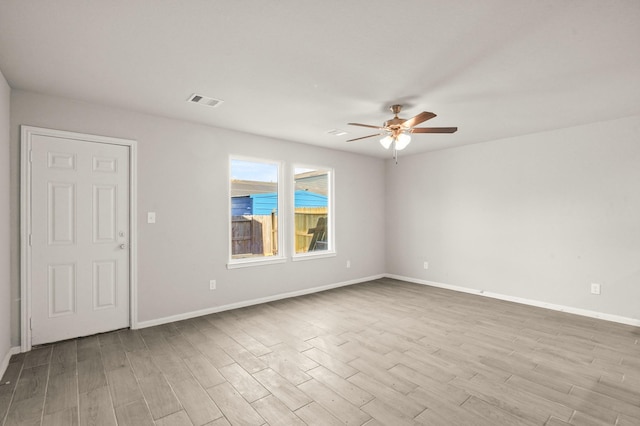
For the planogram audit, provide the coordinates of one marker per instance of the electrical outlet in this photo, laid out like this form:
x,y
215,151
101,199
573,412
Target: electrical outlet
x,y
348,264
595,288
212,284
426,265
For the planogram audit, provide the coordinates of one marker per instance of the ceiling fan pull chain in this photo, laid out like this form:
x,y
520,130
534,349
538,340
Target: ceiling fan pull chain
x,y
395,151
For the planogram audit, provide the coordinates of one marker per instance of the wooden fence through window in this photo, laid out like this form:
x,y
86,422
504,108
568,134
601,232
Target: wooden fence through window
x,y
306,218
257,235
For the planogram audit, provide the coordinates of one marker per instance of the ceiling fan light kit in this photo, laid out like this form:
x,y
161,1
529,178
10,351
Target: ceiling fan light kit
x,y
386,142
402,141
396,131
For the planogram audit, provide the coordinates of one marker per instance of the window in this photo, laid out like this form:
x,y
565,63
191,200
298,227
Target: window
x,y
313,206
255,206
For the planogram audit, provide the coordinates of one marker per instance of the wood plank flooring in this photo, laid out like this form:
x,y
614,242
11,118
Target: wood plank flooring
x,y
384,352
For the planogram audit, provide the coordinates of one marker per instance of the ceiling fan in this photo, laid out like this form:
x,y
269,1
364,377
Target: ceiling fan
x,y
397,131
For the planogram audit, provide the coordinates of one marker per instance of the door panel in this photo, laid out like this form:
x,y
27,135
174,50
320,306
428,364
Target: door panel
x,y
61,213
80,233
62,290
104,213
104,285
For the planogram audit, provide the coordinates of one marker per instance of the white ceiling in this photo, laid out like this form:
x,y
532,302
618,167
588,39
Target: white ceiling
x,y
295,69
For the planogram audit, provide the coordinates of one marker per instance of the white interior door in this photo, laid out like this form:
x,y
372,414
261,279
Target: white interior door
x,y
79,238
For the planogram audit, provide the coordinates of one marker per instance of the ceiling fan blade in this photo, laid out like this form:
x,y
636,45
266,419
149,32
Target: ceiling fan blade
x,y
434,130
364,137
365,125
420,118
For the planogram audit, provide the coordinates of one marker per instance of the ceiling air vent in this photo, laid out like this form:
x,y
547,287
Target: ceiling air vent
x,y
204,100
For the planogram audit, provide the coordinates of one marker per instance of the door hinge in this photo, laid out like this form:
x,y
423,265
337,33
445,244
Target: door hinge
x,y
31,156
29,239
30,324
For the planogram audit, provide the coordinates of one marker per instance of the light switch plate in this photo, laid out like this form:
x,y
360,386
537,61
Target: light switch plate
x,y
151,217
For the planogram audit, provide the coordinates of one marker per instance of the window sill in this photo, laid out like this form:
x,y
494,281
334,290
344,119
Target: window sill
x,y
235,264
311,256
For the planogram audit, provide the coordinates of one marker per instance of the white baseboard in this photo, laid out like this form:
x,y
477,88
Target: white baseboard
x,y
243,304
521,300
5,361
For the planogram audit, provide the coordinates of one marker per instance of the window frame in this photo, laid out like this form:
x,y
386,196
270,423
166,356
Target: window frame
x,y
280,257
331,248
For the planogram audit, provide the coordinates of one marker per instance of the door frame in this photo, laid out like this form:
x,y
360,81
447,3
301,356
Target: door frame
x,y
26,134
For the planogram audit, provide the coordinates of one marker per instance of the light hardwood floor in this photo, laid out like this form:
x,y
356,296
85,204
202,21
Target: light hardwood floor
x,y
378,353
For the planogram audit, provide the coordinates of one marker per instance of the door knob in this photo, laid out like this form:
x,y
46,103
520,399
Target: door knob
x,y
123,246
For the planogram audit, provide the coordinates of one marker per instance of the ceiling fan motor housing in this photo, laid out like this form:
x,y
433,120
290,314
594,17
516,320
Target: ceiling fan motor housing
x,y
394,124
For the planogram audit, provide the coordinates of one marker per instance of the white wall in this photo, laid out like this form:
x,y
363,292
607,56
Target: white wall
x,y
538,217
5,286
183,177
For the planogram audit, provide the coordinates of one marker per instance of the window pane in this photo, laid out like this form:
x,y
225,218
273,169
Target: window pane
x,y
254,209
311,200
